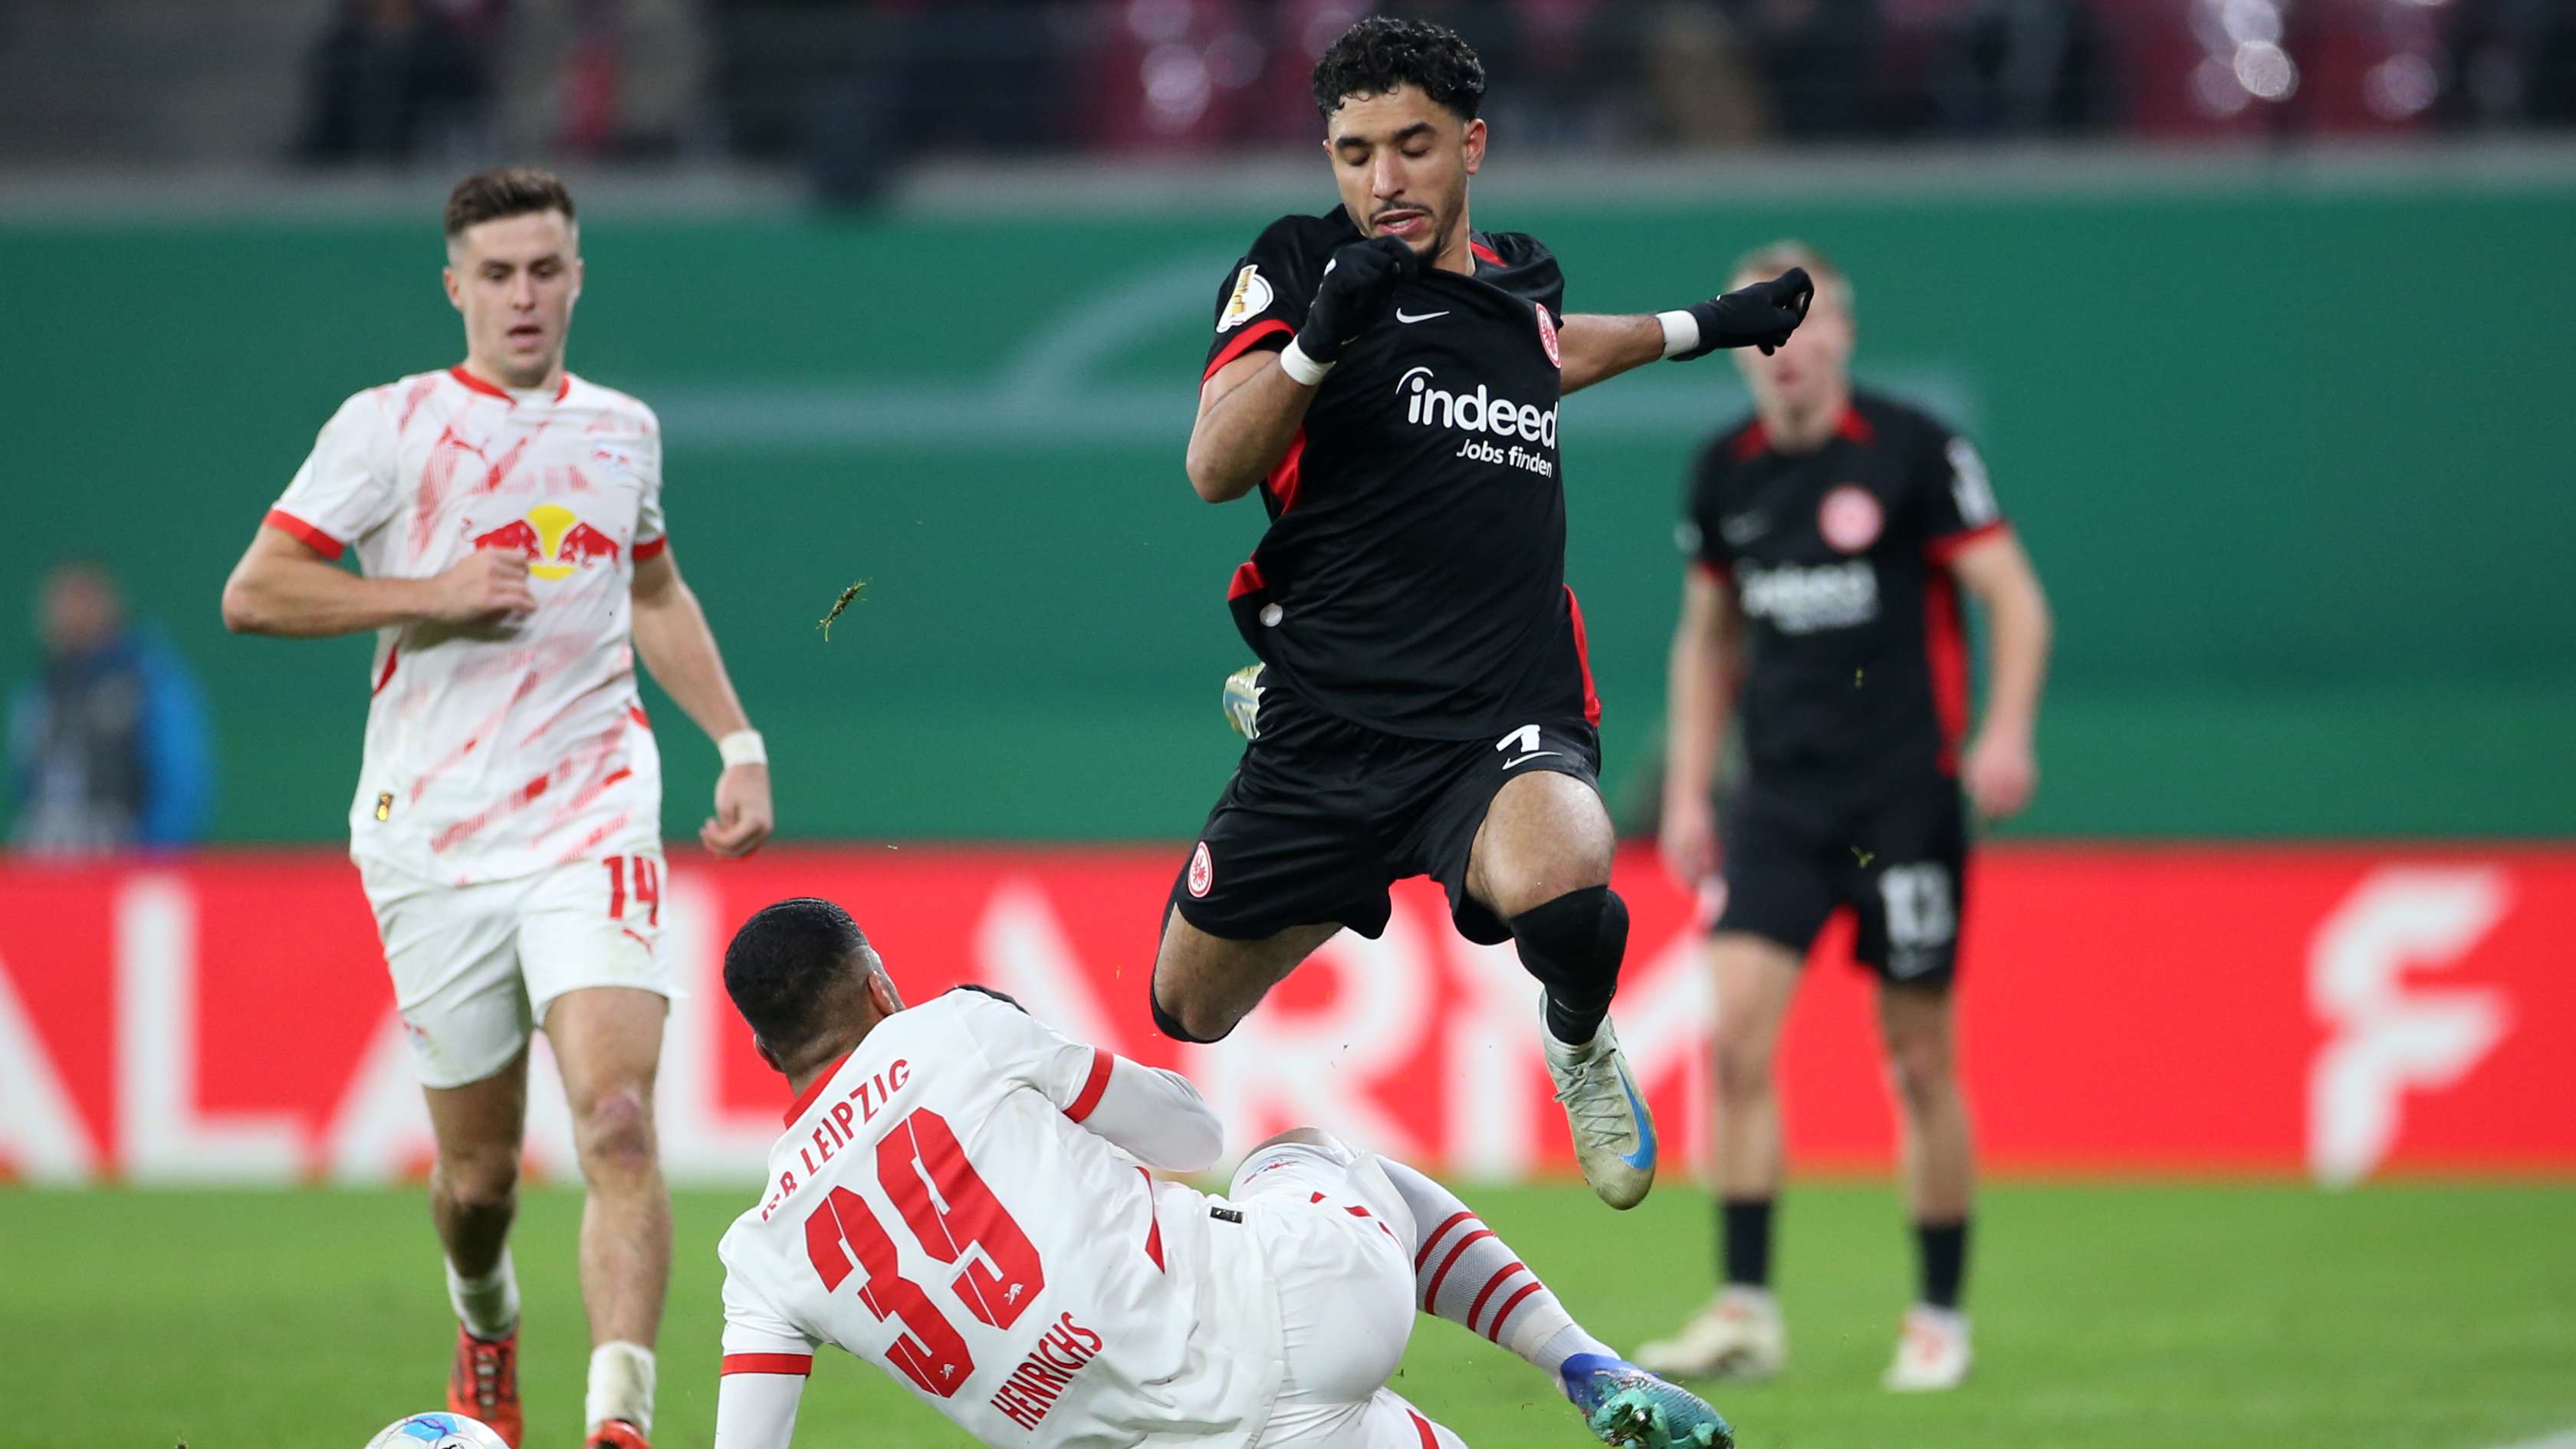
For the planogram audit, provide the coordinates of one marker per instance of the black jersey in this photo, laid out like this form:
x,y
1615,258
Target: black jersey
x,y
1412,578
1857,676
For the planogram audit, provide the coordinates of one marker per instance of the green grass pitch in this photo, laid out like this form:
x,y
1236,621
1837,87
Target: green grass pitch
x,y
2439,1316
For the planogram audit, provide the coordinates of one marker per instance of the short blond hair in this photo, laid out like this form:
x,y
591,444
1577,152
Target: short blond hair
x,y
1773,258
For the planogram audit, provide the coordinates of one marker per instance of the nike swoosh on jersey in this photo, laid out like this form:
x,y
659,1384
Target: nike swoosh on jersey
x,y
1533,755
1403,316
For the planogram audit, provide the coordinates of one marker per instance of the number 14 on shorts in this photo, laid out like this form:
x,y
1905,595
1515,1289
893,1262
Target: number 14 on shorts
x,y
646,875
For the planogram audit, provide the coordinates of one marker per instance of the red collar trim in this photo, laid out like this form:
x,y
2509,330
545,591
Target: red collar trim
x,y
1855,427
814,1089
563,385
1483,252
476,384
1749,446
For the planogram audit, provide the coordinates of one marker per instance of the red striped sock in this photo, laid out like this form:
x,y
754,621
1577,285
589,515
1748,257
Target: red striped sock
x,y
1464,1273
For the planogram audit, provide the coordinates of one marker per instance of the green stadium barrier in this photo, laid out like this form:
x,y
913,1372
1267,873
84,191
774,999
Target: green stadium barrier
x,y
2285,457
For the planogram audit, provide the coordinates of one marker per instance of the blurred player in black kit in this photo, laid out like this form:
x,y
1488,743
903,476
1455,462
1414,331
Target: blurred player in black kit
x,y
1829,539
1388,378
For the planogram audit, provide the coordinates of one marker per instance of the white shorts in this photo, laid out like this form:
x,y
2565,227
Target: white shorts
x,y
476,966
1337,1240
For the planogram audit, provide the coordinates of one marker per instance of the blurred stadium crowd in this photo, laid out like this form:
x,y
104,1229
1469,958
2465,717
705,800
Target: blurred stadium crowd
x,y
846,90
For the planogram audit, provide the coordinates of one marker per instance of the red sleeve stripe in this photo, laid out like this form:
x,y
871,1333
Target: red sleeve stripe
x,y
1093,1085
305,533
768,1363
1434,1237
1500,1277
1431,1294
1494,1330
651,547
1153,1222
1241,345
1950,545
1711,572
1422,1427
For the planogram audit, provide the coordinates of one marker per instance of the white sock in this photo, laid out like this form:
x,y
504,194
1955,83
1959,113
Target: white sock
x,y
1465,1274
621,1385
1565,1344
488,1306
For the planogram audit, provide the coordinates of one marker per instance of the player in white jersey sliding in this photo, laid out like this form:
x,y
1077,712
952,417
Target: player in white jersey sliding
x,y
961,1198
507,519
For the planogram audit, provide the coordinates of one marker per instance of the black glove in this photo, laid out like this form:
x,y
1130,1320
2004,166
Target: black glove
x,y
1762,315
1355,294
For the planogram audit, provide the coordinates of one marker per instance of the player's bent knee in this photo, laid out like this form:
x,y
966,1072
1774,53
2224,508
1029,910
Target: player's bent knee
x,y
479,1182
1921,1069
1340,1151
1574,943
616,1132
1741,1069
1194,1022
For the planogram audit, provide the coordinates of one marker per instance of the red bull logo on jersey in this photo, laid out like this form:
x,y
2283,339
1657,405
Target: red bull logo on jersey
x,y
554,539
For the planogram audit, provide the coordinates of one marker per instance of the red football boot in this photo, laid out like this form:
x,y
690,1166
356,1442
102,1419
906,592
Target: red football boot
x,y
615,1434
484,1383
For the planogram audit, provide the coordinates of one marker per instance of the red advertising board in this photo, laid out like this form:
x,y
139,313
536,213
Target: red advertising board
x,y
2335,1011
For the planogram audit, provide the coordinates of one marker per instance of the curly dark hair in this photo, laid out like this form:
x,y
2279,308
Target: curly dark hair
x,y
1381,52
784,961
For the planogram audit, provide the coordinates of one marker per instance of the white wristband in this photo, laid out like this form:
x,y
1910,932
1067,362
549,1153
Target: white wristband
x,y
1294,362
742,747
1681,332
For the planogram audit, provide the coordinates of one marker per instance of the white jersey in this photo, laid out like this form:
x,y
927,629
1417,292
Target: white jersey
x,y
501,750
938,1209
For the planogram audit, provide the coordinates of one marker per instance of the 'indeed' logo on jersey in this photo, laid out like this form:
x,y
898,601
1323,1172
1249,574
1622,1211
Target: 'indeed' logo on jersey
x,y
1801,600
1476,412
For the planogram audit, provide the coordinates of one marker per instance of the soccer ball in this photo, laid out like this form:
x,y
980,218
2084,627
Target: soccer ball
x,y
437,1431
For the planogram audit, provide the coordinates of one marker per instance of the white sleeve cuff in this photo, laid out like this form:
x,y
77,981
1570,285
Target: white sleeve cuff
x,y
1681,332
1294,362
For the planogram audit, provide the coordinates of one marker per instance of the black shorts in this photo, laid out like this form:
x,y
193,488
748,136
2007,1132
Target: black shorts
x,y
1322,815
1899,861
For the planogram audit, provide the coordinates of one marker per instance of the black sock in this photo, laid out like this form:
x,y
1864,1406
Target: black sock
x,y
1943,1248
1575,1024
1573,945
1744,1238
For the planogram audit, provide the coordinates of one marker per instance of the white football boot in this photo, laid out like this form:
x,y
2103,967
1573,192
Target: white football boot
x,y
1243,701
1739,1335
1931,1352
1614,1134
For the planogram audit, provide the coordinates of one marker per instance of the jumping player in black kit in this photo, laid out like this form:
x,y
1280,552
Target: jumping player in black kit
x,y
1387,377
1830,537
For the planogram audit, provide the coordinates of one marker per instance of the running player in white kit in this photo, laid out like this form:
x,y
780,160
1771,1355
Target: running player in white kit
x,y
507,518
962,1199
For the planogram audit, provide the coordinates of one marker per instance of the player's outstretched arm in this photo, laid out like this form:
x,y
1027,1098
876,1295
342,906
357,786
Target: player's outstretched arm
x,y
1761,315
757,1410
284,586
672,638
1154,1116
1598,347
